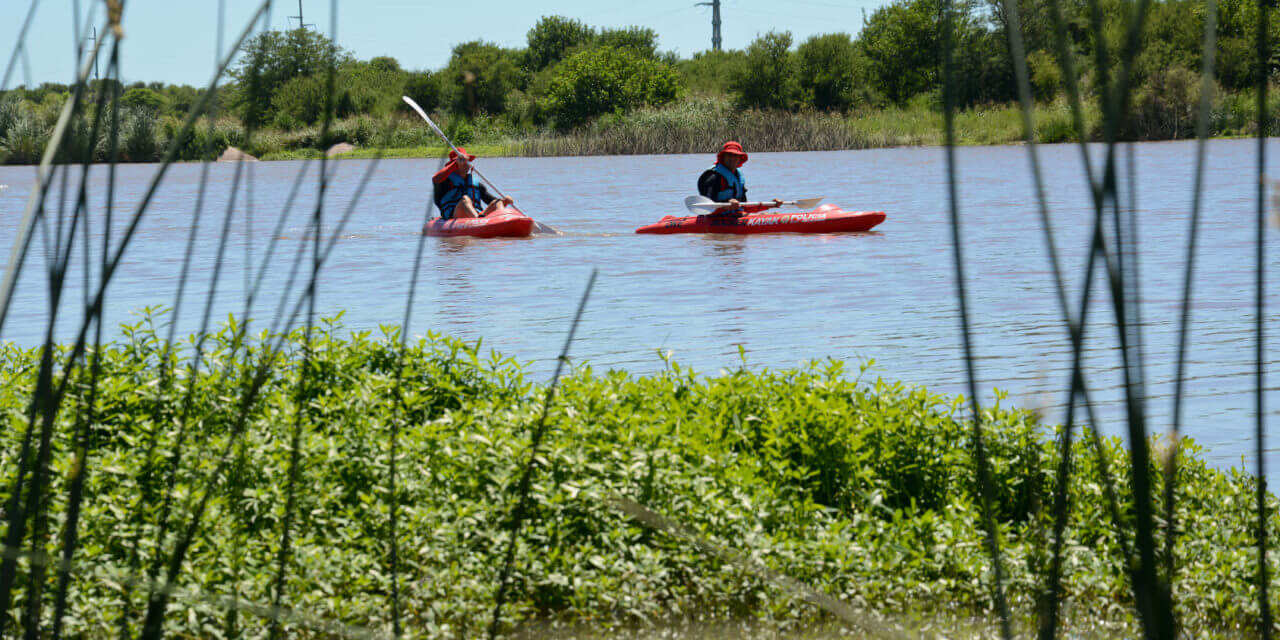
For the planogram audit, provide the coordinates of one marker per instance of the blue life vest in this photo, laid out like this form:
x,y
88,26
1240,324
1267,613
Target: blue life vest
x,y
737,185
459,187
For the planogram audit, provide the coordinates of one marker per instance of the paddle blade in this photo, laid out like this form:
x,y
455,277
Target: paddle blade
x,y
700,204
409,101
808,203
540,227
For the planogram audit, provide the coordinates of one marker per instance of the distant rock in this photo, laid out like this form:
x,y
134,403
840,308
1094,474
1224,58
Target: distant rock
x,y
341,147
233,154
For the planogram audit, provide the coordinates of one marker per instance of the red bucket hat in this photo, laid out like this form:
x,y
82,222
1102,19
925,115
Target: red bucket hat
x,y
732,148
452,165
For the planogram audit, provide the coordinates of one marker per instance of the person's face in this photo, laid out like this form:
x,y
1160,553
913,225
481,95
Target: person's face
x,y
463,164
732,161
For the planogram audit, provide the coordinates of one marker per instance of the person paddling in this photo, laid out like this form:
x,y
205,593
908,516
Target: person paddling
x,y
723,181
456,190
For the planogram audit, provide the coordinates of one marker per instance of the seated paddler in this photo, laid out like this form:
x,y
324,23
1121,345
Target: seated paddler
x,y
458,195
723,181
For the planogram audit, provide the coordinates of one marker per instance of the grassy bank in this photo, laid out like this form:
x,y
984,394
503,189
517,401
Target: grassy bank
x,y
694,125
861,488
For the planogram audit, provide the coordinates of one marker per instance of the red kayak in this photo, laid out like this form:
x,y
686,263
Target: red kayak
x,y
828,218
503,223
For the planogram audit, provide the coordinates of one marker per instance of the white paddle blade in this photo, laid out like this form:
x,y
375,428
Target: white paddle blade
x,y
808,203
700,203
539,227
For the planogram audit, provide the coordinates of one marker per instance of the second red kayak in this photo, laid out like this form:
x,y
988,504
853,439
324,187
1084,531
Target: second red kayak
x,y
827,218
503,223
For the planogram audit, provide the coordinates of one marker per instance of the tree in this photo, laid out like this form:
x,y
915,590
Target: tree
x,y
140,98
479,76
385,64
272,59
712,72
903,45
830,71
299,101
641,40
767,80
424,88
553,38
372,87
607,80
181,98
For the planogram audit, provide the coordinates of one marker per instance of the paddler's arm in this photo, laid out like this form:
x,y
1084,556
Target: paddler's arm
x,y
489,197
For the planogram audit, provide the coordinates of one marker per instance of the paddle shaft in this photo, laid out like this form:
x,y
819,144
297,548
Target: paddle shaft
x,y
541,227
706,203
449,142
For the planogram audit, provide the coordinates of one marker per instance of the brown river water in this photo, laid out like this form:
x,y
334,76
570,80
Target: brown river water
x,y
887,295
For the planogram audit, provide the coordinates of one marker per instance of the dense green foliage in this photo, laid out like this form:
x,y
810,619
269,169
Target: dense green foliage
x,y
862,488
608,80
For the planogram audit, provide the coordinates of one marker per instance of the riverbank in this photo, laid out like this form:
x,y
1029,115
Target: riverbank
x,y
861,489
694,125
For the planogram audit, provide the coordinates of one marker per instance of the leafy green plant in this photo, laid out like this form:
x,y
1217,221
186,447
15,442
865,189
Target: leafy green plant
x,y
860,488
832,73
607,80
767,80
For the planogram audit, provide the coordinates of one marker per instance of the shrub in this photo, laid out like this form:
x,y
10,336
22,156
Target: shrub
x,y
553,38
302,98
862,489
143,98
1046,75
424,88
712,73
831,72
642,41
274,59
479,76
768,79
607,80
138,140
903,45
11,107
26,139
1165,106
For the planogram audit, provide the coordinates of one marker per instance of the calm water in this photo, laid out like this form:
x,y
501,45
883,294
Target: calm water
x,y
786,299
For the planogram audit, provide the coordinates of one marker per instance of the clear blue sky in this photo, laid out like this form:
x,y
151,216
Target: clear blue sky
x,y
174,41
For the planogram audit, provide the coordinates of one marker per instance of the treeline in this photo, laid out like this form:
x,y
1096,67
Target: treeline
x,y
571,77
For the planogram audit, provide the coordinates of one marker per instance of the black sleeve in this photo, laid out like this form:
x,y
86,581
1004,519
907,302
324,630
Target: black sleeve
x,y
485,196
438,195
707,184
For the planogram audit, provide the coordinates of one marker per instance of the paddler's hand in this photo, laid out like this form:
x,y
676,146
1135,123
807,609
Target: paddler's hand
x,y
777,202
734,204
507,201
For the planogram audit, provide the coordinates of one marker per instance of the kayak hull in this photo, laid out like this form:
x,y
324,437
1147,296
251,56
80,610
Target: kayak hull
x,y
503,223
828,218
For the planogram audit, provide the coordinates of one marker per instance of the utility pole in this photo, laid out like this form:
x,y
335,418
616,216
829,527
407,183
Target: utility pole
x,y
94,38
301,24
715,22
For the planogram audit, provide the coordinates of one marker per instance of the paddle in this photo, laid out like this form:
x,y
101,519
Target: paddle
x,y
538,227
702,204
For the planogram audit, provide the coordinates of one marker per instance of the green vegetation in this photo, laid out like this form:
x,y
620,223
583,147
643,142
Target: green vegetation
x,y
572,81
863,489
